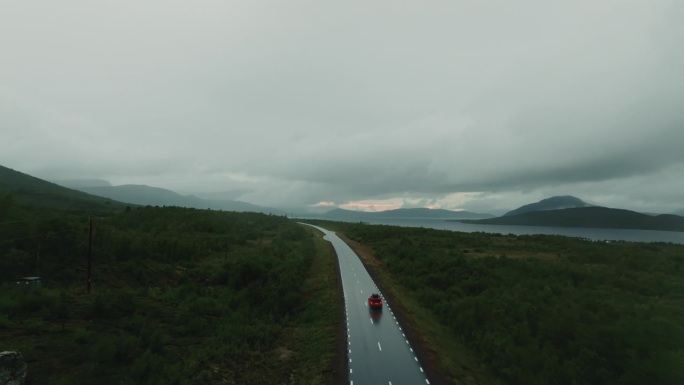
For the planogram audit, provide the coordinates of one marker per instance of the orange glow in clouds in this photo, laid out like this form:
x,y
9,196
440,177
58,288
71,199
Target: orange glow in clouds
x,y
371,206
325,204
452,202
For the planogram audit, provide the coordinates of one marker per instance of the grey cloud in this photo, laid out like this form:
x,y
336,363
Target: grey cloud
x,y
313,101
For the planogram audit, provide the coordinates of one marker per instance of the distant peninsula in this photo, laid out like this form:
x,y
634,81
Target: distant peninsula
x,y
593,217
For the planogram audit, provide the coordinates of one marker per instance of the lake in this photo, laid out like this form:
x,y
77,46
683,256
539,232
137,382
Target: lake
x,y
578,232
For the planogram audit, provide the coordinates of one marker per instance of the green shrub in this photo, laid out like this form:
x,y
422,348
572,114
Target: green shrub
x,y
80,335
97,308
5,322
35,327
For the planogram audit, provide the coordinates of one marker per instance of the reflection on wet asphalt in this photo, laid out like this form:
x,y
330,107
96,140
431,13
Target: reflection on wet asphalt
x,y
379,352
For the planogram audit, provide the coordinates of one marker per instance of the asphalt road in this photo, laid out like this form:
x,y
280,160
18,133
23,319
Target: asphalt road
x,y
378,350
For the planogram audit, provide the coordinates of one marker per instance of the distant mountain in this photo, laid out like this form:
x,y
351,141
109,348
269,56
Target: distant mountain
x,y
222,195
78,183
594,217
415,213
553,203
680,213
155,196
30,190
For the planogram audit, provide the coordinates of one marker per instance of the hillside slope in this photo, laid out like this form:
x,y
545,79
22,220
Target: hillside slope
x,y
155,196
30,190
553,203
597,217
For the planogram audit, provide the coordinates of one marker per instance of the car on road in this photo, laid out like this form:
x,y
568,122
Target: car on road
x,y
375,301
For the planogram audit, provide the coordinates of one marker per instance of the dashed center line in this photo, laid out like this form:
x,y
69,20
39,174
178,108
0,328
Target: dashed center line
x,y
351,311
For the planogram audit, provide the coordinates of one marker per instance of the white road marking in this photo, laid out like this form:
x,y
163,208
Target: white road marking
x,y
350,263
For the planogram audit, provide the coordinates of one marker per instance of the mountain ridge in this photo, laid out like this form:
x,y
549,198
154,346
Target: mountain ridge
x,y
157,196
558,202
590,217
27,189
76,183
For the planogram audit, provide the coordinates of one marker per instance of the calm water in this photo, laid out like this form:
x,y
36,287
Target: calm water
x,y
579,232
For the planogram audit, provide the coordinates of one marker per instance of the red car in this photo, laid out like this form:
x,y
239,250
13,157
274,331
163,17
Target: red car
x,y
374,301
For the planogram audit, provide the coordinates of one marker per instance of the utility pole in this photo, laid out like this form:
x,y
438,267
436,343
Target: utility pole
x,y
90,253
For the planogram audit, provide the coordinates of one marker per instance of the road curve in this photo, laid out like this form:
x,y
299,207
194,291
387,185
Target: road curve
x,y
377,348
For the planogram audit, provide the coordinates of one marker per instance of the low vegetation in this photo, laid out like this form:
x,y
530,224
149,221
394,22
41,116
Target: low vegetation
x,y
540,309
179,296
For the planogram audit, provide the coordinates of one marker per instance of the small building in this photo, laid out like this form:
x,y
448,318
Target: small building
x,y
29,283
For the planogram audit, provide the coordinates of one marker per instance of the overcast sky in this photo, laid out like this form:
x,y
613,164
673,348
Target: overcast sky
x,y
478,105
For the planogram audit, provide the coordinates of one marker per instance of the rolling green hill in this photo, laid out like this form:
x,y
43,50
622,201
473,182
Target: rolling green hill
x,y
28,190
598,217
